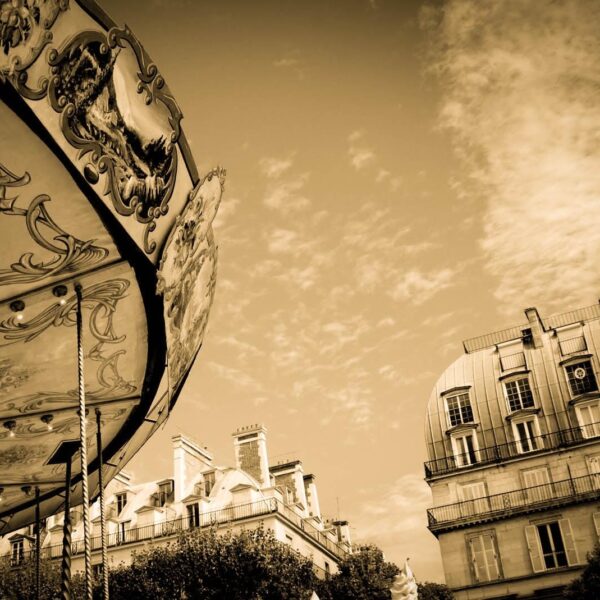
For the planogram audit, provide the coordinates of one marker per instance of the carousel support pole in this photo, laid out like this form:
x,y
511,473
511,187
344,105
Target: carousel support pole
x,y
65,570
105,591
38,535
83,450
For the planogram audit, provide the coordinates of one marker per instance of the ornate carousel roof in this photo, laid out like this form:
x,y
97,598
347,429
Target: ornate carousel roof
x,y
97,188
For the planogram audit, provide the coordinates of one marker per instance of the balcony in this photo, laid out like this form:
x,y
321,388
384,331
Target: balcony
x,y
562,438
228,515
508,504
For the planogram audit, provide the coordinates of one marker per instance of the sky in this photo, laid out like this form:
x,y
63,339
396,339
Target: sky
x,y
402,175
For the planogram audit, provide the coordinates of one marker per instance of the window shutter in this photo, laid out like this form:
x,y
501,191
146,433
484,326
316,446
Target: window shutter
x,y
596,517
535,550
475,558
491,557
569,542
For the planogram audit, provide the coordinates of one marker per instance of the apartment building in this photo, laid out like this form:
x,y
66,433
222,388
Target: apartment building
x,y
513,438
200,494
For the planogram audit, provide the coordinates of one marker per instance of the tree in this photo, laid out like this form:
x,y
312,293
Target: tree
x,y
203,565
587,585
434,591
362,575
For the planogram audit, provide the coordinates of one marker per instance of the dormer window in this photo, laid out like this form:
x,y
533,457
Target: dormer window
x,y
459,409
518,394
209,482
581,377
165,492
121,499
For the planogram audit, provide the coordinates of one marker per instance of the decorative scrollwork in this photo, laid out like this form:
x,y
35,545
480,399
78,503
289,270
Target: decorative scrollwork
x,y
24,32
70,253
135,150
101,299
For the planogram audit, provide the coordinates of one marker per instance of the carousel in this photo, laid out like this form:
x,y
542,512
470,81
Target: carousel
x,y
107,259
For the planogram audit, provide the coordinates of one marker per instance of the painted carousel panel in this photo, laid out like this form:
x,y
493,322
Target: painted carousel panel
x,y
49,229
38,353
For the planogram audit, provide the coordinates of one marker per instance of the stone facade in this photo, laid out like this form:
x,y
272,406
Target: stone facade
x,y
513,436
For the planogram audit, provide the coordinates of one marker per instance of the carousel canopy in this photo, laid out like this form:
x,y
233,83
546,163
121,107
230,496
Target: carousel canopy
x,y
98,189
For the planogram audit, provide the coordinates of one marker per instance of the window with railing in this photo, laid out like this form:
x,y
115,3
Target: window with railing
x,y
17,552
464,448
459,409
581,378
527,435
518,394
588,415
193,514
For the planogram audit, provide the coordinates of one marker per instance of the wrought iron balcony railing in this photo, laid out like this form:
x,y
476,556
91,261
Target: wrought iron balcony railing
x,y
524,500
492,454
203,520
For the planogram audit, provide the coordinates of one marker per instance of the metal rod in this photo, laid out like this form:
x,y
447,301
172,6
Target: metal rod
x,y
65,568
38,534
105,590
83,450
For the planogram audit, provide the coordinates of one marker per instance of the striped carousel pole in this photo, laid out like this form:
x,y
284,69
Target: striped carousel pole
x,y
105,590
83,450
65,567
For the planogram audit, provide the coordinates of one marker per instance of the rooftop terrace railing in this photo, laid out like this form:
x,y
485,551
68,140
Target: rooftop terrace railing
x,y
215,518
493,454
524,500
587,313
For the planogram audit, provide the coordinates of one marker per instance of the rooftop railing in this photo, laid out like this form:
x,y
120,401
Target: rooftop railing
x,y
215,518
493,454
524,500
587,313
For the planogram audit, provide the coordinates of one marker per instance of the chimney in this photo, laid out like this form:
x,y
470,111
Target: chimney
x,y
250,445
312,498
343,532
536,326
189,459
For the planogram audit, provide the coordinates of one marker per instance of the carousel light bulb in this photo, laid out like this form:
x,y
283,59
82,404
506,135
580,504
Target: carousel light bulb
x,y
47,419
1,494
11,426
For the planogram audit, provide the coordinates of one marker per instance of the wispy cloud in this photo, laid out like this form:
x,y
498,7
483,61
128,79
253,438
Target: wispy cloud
x,y
522,99
392,520
287,196
274,168
417,286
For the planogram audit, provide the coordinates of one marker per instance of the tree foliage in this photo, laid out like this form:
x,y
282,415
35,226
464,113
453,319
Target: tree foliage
x,y
203,565
19,583
587,585
362,575
429,590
